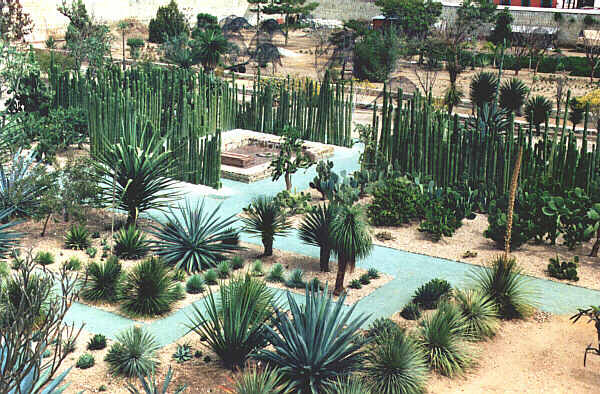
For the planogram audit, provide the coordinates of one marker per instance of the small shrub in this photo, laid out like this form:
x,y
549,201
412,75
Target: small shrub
x,y
91,252
210,277
69,346
480,314
355,284
315,283
131,243
44,258
148,290
73,264
232,237
296,279
223,270
179,275
428,295
183,353
411,311
97,342
382,327
102,280
133,354
563,269
102,388
85,361
258,380
373,273
195,284
257,268
384,236
276,274
365,279
397,201
78,237
237,262
178,292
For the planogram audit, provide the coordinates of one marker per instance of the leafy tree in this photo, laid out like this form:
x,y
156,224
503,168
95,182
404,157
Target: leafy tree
x,y
169,22
591,45
502,30
179,50
291,157
291,9
135,44
413,18
206,21
15,24
375,55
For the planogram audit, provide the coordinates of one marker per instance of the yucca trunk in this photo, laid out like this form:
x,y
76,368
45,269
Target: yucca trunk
x,y
341,273
324,258
267,242
288,182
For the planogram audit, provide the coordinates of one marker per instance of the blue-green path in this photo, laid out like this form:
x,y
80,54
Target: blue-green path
x,y
409,270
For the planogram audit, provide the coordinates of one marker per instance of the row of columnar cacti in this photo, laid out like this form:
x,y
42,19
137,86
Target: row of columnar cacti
x,y
415,137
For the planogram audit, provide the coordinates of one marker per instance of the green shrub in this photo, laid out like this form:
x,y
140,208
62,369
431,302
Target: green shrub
x,y
78,237
131,243
148,290
195,284
97,342
365,279
133,354
513,93
296,279
73,264
396,364
506,287
442,334
563,269
223,270
102,281
439,220
483,88
183,353
169,22
480,314
233,237
428,295
355,284
234,326
375,56
394,203
373,273
69,346
91,252
265,219
522,228
237,262
259,380
411,311
351,385
44,258
179,275
257,268
381,327
85,361
330,341
210,277
276,274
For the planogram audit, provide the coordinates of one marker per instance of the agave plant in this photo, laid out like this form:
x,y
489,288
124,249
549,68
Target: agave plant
x,y
512,95
396,364
234,326
483,88
16,193
318,344
131,243
193,239
266,219
78,237
8,239
537,111
137,170
151,386
503,283
315,230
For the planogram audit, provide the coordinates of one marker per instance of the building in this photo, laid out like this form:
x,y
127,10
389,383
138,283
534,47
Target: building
x,y
528,3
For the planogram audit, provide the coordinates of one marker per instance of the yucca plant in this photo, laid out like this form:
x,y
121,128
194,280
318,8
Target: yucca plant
x,y
234,325
97,342
133,354
257,268
195,284
318,344
351,385
396,364
102,280
148,289
131,243
382,327
411,311
315,230
138,170
504,284
265,218
537,111
276,274
8,239
78,237
483,88
443,336
192,238
210,277
480,313
223,270
513,94
428,295
151,386
257,380
296,279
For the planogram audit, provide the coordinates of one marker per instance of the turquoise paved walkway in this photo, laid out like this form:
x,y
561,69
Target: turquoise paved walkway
x,y
409,270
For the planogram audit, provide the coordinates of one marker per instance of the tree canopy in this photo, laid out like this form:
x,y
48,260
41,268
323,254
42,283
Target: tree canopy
x,y
413,18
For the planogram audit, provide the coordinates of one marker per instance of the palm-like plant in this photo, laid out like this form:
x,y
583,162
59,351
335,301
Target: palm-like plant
x,y
315,230
351,241
209,46
193,239
319,344
136,171
266,219
512,95
483,88
452,97
131,243
102,280
396,364
480,313
234,325
537,111
506,287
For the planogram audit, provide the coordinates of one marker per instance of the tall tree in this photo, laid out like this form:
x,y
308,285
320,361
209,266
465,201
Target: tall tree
x,y
291,9
291,157
15,24
413,18
591,45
